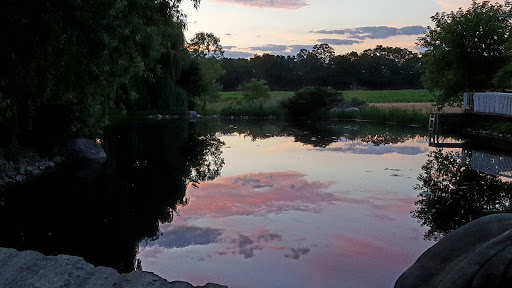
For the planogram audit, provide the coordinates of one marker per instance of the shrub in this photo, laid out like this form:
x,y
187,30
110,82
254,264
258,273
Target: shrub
x,y
311,103
255,89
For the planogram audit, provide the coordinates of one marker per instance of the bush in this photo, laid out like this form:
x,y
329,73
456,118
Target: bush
x,y
255,89
393,115
311,103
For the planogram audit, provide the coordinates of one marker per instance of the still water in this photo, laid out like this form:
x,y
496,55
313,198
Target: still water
x,y
345,204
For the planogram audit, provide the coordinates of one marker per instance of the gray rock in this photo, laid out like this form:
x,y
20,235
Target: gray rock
x,y
478,254
84,149
32,269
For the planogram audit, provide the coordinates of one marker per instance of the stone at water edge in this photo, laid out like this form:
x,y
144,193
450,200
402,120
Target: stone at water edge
x,y
32,269
478,254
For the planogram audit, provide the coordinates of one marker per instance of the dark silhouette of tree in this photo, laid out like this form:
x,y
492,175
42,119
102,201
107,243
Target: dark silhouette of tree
x,y
98,58
465,49
103,216
237,72
205,45
324,52
311,103
452,194
378,68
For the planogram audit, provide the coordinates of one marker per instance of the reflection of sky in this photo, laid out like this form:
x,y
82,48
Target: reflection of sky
x,y
288,215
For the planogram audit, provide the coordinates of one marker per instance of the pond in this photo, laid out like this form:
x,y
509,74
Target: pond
x,y
260,204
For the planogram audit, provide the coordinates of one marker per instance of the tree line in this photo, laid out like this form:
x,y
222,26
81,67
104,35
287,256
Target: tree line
x,y
72,66
374,69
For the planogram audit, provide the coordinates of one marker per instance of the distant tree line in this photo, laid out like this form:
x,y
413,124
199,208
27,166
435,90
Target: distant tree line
x,y
375,69
70,67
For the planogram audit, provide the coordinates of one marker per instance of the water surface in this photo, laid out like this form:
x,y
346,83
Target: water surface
x,y
289,214
260,204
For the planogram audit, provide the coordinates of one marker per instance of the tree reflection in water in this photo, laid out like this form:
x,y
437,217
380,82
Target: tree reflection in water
x,y
103,217
452,194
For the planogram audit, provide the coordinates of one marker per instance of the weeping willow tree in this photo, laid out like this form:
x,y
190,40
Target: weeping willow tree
x,y
72,65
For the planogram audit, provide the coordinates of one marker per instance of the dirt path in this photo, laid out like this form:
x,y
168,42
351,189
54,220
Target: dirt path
x,y
424,107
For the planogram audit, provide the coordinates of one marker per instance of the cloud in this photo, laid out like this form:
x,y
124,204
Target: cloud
x,y
339,41
244,241
184,236
243,195
275,4
375,32
268,237
228,47
237,54
297,253
246,245
270,48
284,50
453,5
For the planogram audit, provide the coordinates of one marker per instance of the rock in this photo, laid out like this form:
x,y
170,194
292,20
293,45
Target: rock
x,y
84,149
87,156
478,254
35,270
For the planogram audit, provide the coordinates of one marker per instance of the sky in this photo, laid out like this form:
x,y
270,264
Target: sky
x,y
283,27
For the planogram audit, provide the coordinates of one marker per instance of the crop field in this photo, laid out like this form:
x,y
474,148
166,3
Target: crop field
x,y
376,96
225,96
392,96
233,103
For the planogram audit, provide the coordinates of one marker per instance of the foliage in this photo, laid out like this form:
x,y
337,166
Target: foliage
x,y
210,72
311,103
254,90
452,194
96,59
205,45
465,49
378,68
392,115
256,109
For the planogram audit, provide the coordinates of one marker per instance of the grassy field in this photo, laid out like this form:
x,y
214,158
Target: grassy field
x,y
392,96
233,104
379,96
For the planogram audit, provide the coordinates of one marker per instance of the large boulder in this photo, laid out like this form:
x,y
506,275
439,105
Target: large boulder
x,y
30,269
83,149
478,254
87,156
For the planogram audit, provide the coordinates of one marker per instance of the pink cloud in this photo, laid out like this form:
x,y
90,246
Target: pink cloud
x,y
277,4
257,193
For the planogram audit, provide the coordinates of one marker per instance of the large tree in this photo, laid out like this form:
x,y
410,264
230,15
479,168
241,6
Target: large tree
x,y
207,53
465,49
78,63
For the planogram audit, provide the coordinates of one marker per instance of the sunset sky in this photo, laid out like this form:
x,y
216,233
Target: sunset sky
x,y
283,27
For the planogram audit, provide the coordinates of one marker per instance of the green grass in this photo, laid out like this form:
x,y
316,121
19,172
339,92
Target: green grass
x,y
392,115
233,104
371,96
227,96
391,96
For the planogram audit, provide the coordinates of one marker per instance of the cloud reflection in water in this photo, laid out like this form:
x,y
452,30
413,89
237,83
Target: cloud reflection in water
x,y
258,193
